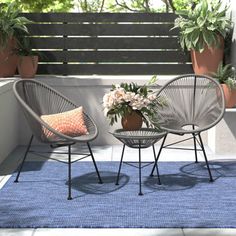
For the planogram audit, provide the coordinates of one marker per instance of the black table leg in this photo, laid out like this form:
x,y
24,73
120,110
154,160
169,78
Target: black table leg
x,y
121,160
140,169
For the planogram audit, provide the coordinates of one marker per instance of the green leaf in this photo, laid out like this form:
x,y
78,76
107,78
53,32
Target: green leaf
x,y
204,8
195,37
153,80
208,37
201,21
189,30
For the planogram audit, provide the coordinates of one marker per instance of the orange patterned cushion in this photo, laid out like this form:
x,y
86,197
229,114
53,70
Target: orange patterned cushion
x,y
70,123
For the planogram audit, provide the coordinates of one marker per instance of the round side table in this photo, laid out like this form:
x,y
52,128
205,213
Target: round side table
x,y
142,138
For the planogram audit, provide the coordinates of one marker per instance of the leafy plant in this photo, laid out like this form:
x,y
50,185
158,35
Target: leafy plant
x,y
203,25
225,74
11,24
43,5
24,47
184,4
127,97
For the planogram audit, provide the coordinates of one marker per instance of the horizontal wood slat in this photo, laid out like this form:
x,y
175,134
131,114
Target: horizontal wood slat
x,y
116,69
106,43
103,29
101,17
115,56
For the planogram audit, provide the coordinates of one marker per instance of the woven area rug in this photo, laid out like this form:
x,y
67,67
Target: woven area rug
x,y
185,198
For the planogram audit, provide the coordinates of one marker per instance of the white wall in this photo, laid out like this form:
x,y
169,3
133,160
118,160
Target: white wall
x,y
9,120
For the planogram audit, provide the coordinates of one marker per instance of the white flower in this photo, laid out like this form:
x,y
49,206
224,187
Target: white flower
x,y
118,95
137,105
151,97
108,100
129,96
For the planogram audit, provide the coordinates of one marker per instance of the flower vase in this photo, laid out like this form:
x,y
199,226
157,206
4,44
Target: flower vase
x,y
132,121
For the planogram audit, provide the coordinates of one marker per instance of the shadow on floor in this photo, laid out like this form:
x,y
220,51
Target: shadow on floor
x,y
88,183
219,168
173,182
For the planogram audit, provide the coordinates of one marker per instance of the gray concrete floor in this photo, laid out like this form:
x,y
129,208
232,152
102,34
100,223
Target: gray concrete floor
x,y
110,153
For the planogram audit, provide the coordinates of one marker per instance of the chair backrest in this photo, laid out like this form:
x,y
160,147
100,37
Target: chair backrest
x,y
191,100
39,99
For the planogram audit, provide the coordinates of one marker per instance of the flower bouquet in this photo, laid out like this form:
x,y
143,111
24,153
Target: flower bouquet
x,y
129,98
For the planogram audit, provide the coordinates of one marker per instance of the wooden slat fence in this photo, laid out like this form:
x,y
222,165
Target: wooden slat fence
x,y
107,44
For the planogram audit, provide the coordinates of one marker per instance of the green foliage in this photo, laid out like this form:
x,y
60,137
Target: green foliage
x,y
45,5
225,74
180,5
11,24
102,5
24,47
135,6
203,25
90,5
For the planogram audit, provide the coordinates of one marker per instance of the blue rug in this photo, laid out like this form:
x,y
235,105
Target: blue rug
x,y
185,198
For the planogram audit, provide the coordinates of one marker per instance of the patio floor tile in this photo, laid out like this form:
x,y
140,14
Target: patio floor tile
x,y
209,232
17,232
101,153
109,232
166,155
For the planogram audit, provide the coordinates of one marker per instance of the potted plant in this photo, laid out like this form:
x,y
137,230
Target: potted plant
x,y
202,31
133,103
28,59
225,74
11,27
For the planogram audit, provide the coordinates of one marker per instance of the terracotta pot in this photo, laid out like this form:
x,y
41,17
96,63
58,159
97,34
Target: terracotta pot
x,y
8,60
132,121
230,96
207,62
27,66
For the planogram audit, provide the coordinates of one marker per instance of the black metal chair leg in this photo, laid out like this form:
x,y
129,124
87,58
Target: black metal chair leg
x,y
121,160
195,145
204,153
158,175
158,155
195,148
23,161
96,168
69,173
140,174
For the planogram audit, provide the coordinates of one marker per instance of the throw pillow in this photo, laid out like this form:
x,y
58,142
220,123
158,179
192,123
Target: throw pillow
x,y
70,123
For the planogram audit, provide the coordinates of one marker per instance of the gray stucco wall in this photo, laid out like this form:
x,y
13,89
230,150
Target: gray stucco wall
x,y
9,121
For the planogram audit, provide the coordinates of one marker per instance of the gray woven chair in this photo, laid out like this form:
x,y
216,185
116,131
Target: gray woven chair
x,y
38,99
191,104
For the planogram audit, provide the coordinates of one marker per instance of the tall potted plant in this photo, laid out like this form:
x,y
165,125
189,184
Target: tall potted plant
x,y
12,26
28,59
202,31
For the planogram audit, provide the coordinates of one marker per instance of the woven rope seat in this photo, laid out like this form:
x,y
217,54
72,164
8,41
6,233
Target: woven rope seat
x,y
192,104
142,138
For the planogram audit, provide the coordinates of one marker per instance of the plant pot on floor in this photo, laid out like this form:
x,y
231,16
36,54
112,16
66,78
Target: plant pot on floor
x,y
8,60
230,96
27,66
207,62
